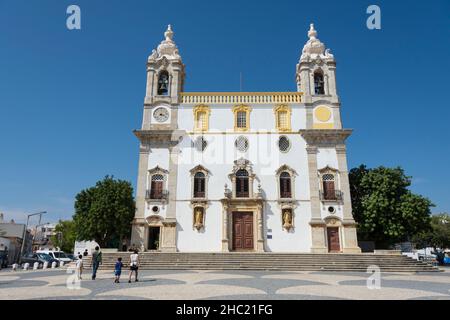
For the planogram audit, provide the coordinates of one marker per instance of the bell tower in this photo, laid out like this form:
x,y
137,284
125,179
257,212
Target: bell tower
x,y
315,74
165,72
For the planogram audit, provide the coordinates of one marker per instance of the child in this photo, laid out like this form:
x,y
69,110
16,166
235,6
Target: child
x,y
118,269
79,266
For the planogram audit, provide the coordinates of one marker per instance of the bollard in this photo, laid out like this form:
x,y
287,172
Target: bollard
x,y
26,266
45,265
36,266
61,263
53,264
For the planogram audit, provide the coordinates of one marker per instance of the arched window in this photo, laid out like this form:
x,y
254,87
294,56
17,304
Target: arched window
x,y
242,183
199,185
319,85
163,83
329,191
156,188
285,185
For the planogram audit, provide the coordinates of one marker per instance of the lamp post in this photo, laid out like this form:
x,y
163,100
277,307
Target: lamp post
x,y
25,230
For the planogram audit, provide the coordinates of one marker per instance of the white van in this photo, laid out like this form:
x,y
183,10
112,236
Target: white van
x,y
56,254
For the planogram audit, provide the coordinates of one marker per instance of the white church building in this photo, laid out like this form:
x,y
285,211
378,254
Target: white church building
x,y
243,171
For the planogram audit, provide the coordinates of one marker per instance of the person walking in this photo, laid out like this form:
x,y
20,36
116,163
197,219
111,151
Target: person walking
x,y
96,261
134,266
118,270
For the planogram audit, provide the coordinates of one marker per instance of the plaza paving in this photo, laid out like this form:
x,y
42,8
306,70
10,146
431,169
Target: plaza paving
x,y
233,285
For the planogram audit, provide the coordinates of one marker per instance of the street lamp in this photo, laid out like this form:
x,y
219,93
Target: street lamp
x,y
25,230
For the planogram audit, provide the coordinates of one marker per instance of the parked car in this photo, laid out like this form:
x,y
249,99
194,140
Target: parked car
x,y
38,257
57,255
71,256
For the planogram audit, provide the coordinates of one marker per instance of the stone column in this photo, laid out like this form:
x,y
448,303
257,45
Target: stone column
x,y
138,224
317,224
350,242
225,239
260,229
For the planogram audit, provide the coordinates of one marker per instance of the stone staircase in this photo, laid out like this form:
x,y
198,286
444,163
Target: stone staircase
x,y
266,261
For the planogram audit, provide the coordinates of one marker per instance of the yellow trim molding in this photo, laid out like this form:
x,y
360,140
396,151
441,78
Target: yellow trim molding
x,y
279,109
204,126
247,110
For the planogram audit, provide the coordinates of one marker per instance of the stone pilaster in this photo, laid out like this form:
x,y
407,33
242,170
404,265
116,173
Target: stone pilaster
x,y
313,183
317,224
260,227
350,242
170,223
345,185
169,236
225,239
138,228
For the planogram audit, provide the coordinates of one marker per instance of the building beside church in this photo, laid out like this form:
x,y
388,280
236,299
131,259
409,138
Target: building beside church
x,y
243,171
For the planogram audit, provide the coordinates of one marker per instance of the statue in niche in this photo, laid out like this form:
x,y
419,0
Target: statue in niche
x,y
287,219
198,218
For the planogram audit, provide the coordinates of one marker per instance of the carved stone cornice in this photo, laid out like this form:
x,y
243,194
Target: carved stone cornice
x,y
169,137
325,137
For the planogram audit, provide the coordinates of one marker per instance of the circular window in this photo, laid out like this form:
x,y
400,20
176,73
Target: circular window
x,y
155,209
241,143
284,144
331,210
200,144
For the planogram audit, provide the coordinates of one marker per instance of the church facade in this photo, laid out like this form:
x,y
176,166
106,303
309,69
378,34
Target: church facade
x,y
243,171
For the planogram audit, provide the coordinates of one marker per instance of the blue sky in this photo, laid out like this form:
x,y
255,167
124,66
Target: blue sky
x,y
69,100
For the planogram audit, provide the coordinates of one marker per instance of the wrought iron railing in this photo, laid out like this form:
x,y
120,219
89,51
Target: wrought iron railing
x,y
331,196
157,195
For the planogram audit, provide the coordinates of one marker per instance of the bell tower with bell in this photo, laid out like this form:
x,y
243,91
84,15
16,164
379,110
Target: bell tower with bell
x,y
165,71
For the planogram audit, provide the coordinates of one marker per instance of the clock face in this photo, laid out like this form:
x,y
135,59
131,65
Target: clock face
x,y
161,114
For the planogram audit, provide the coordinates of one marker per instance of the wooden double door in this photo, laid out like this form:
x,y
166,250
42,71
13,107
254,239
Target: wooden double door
x,y
243,231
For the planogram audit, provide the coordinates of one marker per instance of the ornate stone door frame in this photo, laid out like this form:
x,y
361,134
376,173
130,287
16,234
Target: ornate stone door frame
x,y
237,205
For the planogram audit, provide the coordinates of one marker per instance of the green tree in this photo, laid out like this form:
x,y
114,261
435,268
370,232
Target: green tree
x,y
104,212
65,235
384,208
439,234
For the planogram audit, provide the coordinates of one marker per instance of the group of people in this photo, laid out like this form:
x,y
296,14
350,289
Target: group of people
x,y
97,261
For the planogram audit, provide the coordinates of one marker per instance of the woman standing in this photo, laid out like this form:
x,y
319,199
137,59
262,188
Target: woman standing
x,y
134,266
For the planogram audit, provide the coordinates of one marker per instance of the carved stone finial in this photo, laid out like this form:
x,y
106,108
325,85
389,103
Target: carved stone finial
x,y
312,33
169,33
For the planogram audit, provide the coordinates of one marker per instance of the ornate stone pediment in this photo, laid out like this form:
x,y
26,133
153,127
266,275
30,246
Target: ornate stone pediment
x,y
158,169
328,169
199,168
285,167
